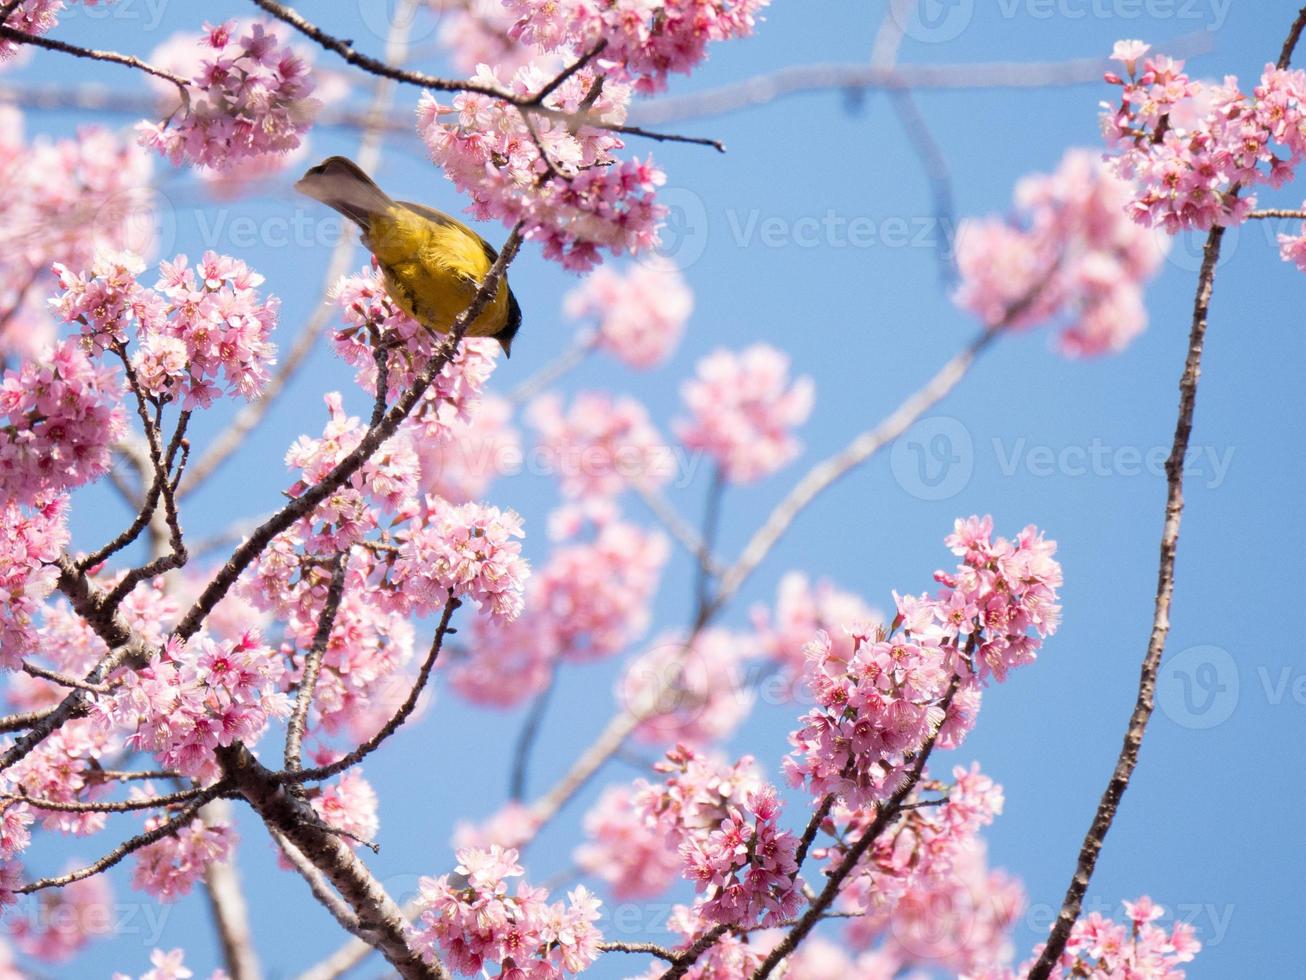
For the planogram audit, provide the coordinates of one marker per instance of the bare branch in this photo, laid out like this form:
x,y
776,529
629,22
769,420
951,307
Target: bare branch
x,y
165,829
379,918
227,904
319,886
19,37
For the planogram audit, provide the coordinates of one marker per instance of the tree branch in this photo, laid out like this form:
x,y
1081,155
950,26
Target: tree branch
x,y
1174,507
313,662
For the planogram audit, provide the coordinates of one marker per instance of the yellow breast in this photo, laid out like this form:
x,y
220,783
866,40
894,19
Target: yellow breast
x,y
433,268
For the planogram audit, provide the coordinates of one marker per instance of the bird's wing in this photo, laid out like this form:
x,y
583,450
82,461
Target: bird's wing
x,y
440,218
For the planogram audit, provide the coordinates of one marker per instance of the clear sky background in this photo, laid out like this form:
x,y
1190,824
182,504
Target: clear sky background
x,y
1210,824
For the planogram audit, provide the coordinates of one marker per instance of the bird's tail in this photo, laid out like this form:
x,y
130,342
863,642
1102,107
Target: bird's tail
x,y
341,184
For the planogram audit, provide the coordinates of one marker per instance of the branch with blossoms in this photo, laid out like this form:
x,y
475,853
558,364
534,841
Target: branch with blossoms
x,y
178,675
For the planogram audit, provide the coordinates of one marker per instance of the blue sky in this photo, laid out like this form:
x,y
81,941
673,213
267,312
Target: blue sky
x,y
1204,828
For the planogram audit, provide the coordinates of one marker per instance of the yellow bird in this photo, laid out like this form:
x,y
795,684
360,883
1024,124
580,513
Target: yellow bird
x,y
433,264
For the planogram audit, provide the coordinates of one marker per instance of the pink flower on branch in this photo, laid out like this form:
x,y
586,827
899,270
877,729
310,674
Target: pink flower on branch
x,y
249,96
640,313
62,412
475,923
743,410
1072,258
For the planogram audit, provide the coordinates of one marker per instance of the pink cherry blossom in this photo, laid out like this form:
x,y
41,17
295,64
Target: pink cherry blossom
x,y
878,706
169,868
723,822
30,540
1072,258
1196,150
643,41
600,445
250,95
196,696
743,410
480,925
198,327
626,851
640,314
465,550
591,199
350,806
62,412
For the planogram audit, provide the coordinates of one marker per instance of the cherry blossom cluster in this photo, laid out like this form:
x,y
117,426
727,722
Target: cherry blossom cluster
x,y
465,550
587,601
63,770
924,890
30,541
67,199
1072,258
477,32
879,706
743,410
62,413
249,96
196,696
624,850
1194,147
691,690
640,314
198,328
475,923
66,922
169,868
561,179
641,40
600,445
722,820
1102,949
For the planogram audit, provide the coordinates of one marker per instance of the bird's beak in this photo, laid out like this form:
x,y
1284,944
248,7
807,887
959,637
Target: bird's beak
x,y
506,345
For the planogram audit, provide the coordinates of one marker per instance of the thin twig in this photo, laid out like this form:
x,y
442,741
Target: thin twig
x,y
521,756
679,528
63,680
1174,507
313,662
523,104
1276,213
109,806
165,829
19,37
